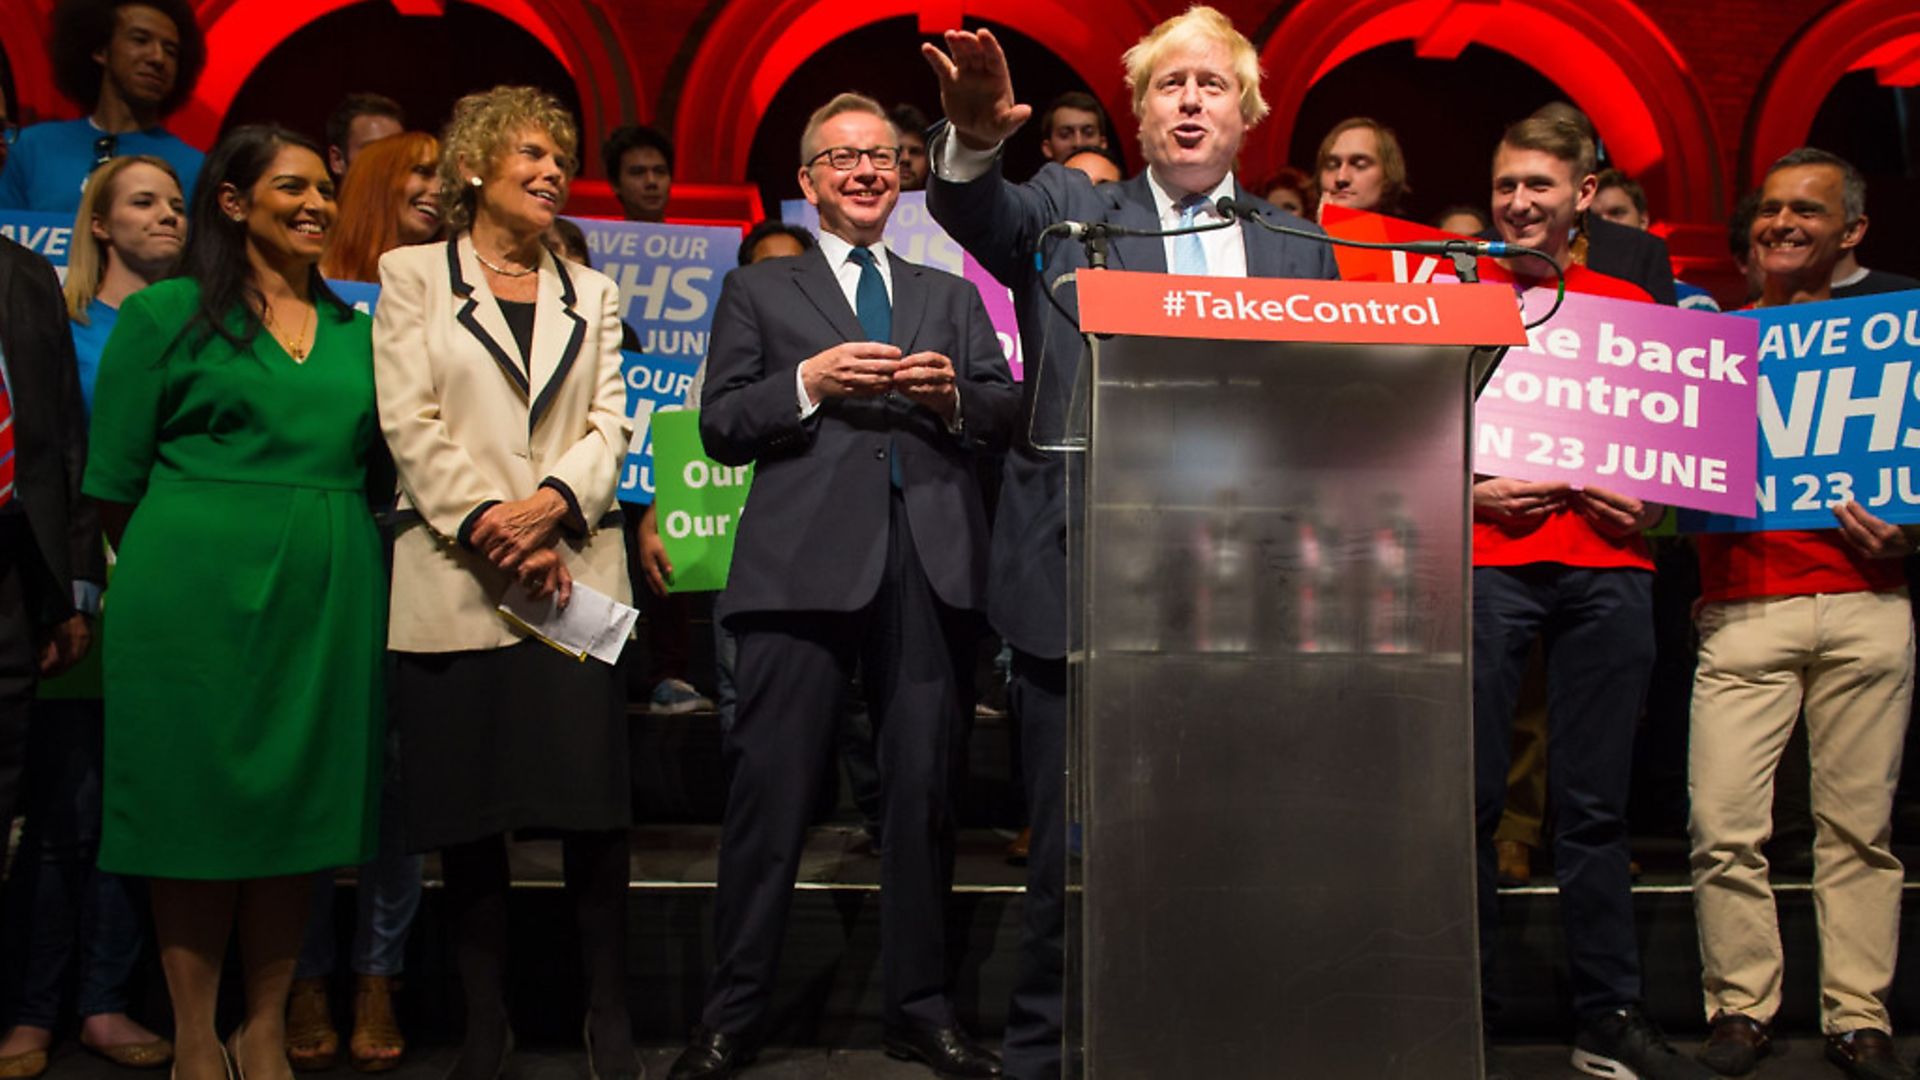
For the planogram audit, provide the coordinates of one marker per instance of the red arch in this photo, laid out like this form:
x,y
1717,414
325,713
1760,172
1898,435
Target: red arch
x,y
593,48
1855,34
1609,57
27,29
756,45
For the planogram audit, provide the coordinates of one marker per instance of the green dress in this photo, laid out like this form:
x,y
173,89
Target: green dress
x,y
245,624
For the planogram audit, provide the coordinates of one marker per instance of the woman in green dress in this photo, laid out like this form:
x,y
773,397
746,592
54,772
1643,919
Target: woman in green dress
x,y
233,427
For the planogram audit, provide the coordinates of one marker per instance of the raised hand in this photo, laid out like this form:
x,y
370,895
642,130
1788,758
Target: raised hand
x,y
976,91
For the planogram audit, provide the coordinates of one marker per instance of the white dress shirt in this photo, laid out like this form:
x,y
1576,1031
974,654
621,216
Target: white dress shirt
x,y
847,272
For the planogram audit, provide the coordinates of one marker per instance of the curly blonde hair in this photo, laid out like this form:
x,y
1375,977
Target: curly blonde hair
x,y
482,126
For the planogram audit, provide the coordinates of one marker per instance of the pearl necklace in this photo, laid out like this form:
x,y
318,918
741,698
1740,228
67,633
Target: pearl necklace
x,y
501,270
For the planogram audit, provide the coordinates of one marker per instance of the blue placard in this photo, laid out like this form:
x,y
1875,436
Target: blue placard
x,y
1839,414
362,296
654,384
669,278
48,235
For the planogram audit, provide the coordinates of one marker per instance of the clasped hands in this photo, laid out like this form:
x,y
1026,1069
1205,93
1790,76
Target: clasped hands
x,y
857,369
1521,502
518,537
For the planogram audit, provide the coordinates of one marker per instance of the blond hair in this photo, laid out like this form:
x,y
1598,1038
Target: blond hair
x,y
841,103
1198,24
86,253
482,126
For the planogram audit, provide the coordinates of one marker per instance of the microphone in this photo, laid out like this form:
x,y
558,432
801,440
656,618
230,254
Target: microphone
x,y
1461,251
1228,206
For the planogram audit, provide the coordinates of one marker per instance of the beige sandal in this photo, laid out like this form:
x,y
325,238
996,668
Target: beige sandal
x,y
312,1043
377,1044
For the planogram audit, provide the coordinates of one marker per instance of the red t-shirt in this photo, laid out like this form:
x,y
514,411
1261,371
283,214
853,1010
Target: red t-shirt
x,y
1789,562
1564,536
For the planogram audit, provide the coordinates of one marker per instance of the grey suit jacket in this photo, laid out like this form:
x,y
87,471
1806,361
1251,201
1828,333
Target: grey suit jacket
x,y
813,536
997,222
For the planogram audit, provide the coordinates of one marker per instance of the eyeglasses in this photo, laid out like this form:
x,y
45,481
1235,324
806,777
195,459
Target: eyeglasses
x,y
104,149
846,158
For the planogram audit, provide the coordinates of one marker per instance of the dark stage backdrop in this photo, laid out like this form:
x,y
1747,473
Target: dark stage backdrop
x,y
884,61
426,64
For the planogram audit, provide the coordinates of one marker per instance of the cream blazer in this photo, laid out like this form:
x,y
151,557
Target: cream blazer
x,y
468,425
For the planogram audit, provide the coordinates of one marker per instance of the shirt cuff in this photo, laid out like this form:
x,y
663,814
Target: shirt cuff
x,y
807,408
958,424
954,162
86,598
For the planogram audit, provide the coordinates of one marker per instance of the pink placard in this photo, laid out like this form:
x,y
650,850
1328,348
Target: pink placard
x,y
1645,400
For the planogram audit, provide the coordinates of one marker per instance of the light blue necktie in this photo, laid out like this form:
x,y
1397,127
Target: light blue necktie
x,y
1189,256
875,312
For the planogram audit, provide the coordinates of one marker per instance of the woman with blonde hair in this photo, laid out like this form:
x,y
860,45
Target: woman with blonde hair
x,y
388,201
500,391
130,228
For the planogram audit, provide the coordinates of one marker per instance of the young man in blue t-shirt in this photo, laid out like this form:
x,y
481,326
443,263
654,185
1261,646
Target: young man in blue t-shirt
x,y
130,63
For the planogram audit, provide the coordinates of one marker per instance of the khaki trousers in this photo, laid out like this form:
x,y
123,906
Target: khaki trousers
x,y
1847,659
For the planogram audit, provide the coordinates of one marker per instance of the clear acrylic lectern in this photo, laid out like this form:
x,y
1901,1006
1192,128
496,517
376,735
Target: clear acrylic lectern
x,y
1270,797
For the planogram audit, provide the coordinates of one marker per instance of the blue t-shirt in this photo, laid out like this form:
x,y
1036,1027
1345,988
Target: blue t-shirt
x,y
49,163
88,342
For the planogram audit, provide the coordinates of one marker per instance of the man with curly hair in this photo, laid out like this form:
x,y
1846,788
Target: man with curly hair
x,y
130,64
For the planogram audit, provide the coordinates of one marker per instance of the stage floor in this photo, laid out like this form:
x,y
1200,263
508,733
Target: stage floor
x,y
1798,1059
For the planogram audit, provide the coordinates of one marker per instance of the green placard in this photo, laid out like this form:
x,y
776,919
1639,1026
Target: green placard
x,y
697,502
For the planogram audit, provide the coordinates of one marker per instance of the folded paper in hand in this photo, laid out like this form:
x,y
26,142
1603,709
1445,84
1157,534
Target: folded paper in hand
x,y
592,624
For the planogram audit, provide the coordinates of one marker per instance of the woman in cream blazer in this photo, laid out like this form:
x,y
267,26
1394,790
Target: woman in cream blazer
x,y
498,374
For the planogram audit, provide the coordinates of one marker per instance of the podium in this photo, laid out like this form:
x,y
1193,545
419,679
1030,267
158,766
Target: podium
x,y
1270,791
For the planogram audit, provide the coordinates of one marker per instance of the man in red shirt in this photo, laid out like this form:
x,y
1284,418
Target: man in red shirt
x,y
1790,620
1567,565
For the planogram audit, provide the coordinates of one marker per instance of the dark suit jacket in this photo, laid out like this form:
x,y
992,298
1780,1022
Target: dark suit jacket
x,y
997,222
813,536
49,433
1631,255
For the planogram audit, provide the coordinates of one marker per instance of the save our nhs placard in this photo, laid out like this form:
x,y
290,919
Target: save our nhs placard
x,y
1839,414
913,233
48,235
1649,401
669,278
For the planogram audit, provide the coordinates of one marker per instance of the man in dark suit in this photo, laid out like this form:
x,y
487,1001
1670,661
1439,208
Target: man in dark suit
x,y
860,385
50,555
1195,82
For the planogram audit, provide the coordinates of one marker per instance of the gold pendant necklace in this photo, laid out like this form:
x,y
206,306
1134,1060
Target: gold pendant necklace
x,y
293,347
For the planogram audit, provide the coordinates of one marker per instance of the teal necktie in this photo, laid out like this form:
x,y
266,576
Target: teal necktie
x,y
875,312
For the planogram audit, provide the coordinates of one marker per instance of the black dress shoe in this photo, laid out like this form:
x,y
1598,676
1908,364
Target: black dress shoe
x,y
1866,1054
1735,1045
948,1051
710,1055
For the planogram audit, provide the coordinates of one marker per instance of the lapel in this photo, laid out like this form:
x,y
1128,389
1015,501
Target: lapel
x,y
480,312
909,300
1134,210
1264,249
816,281
558,332
9,345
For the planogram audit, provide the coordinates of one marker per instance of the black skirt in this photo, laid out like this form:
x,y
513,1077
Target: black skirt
x,y
522,737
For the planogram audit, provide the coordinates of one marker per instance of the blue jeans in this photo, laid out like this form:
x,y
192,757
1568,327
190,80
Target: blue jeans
x,y
389,895
74,913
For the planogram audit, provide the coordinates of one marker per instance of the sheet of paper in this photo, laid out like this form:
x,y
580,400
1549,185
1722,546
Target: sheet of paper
x,y
592,624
